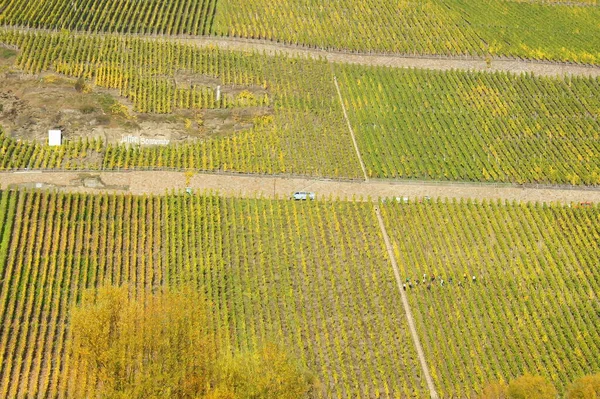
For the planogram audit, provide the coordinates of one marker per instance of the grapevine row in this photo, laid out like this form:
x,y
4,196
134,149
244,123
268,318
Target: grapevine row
x,y
527,29
500,290
191,17
474,126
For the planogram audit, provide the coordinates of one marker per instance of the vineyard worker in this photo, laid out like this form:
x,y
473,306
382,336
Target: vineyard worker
x,y
465,275
404,287
474,279
410,285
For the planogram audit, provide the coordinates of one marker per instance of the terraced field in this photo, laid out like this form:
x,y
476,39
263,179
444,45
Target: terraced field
x,y
474,126
533,305
540,30
314,276
534,30
190,17
493,127
294,102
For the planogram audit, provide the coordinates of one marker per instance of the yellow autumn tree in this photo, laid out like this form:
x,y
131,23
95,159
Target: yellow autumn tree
x,y
587,387
495,390
531,387
161,345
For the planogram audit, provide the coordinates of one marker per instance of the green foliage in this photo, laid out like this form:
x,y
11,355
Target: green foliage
x,y
6,53
587,387
535,288
531,387
529,29
474,126
171,17
285,272
301,97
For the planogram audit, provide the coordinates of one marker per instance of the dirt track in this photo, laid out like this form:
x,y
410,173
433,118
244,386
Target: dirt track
x,y
158,182
393,60
401,61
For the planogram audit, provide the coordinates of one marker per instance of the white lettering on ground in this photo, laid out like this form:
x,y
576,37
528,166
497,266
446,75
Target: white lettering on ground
x,y
130,139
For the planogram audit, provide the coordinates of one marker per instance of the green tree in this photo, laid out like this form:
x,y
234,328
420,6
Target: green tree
x,y
531,387
587,387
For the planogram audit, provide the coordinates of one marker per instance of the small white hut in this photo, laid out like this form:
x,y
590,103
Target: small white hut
x,y
54,137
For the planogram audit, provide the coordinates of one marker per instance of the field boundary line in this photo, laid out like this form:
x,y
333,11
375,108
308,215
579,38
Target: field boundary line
x,y
362,164
411,322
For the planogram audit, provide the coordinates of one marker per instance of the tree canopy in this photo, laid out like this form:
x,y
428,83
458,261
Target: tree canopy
x,y
162,345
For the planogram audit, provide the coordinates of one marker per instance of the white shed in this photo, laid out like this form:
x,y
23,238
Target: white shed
x,y
54,137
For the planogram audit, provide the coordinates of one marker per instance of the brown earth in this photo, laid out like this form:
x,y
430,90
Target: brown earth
x,y
30,105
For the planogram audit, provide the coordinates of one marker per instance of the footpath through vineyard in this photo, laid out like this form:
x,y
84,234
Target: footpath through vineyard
x,y
160,182
442,63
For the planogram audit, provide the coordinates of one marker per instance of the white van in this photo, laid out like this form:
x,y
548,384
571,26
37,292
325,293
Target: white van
x,y
303,196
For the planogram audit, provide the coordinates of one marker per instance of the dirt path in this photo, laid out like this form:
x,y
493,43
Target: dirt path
x,y
411,322
541,68
402,61
159,182
360,160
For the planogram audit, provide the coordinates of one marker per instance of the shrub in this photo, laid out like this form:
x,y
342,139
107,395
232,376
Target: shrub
x,y
587,387
531,387
495,390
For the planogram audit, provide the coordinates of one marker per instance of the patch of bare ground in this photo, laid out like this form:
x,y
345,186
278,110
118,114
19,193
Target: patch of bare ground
x,y
30,105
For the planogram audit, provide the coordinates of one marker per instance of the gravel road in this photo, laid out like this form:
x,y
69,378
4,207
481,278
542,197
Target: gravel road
x,y
159,182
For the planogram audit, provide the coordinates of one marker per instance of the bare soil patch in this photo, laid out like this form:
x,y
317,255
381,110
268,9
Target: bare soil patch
x,y
30,105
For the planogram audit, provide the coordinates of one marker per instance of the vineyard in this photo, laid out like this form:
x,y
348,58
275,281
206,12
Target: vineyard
x,y
315,277
474,126
272,270
191,17
299,93
532,30
539,29
410,124
533,305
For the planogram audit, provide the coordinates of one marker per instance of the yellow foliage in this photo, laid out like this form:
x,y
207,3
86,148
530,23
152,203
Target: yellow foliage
x,y
587,387
531,387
